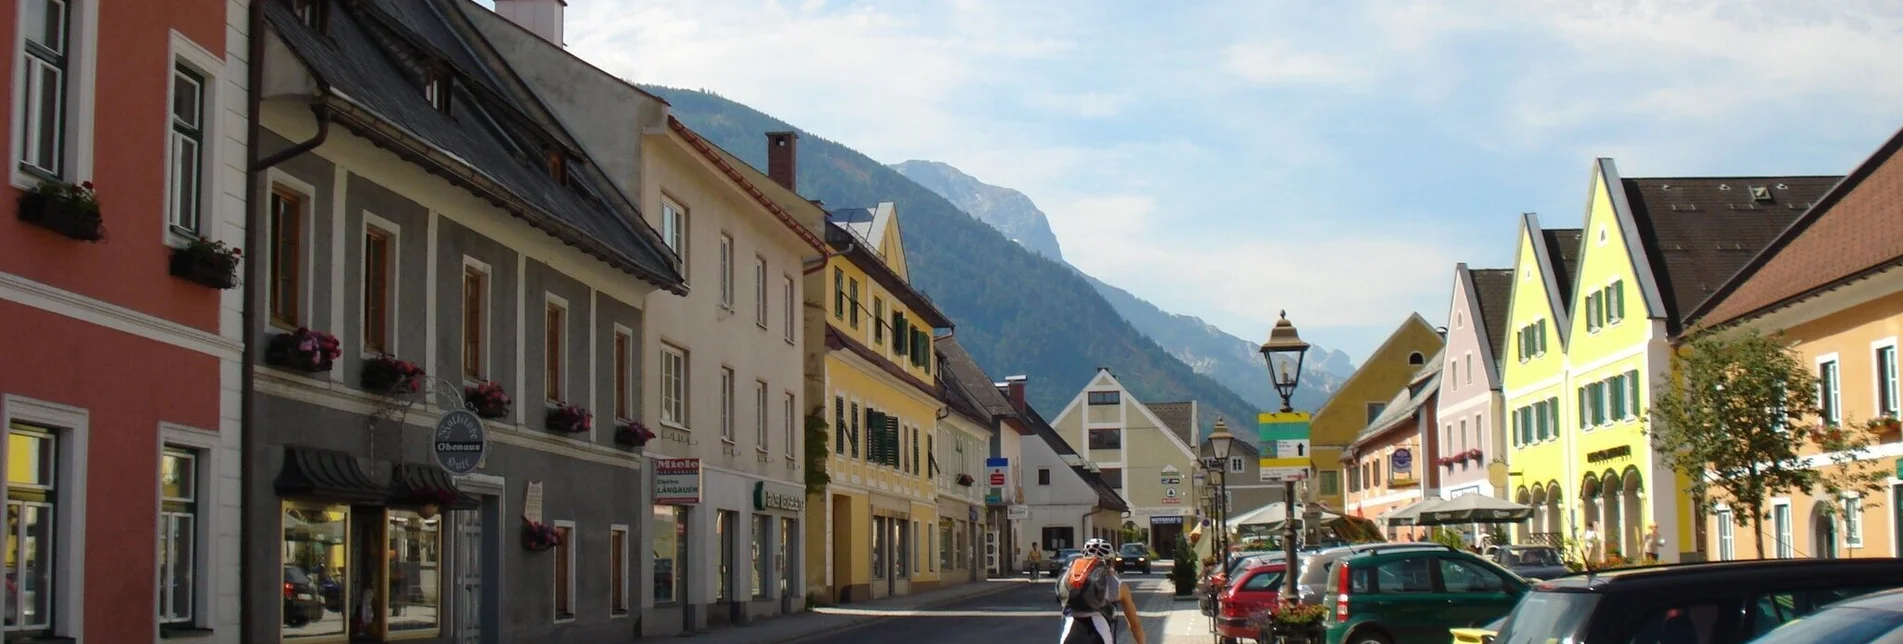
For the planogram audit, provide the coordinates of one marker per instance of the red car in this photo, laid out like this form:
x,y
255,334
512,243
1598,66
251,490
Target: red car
x,y
1256,590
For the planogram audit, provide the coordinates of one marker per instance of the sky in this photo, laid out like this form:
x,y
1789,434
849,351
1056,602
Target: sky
x,y
1230,159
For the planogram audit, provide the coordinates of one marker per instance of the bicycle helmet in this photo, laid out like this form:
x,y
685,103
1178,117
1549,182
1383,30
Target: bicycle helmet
x,y
1099,548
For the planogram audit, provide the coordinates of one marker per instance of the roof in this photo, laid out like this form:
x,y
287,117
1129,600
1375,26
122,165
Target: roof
x,y
1492,294
1698,232
1421,389
1107,497
368,63
967,375
1177,418
1562,245
1799,573
1853,230
842,234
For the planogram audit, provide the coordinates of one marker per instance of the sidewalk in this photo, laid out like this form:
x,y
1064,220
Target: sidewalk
x,y
1168,619
832,619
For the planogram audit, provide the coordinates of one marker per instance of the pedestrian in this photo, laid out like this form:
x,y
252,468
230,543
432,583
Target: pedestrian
x,y
1653,544
1035,561
1092,594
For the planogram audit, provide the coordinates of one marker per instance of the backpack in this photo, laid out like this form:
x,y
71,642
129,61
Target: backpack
x,y
1087,587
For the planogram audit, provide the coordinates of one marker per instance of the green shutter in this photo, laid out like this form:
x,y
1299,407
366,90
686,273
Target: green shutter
x,y
839,293
1592,312
1632,391
839,428
855,430
892,440
900,326
1618,299
914,450
1542,336
1583,418
1618,396
872,434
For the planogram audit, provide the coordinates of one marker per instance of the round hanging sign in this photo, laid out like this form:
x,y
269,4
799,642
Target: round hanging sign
x,y
460,442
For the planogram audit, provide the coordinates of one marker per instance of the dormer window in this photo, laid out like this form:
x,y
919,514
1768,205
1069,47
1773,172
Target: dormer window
x,y
557,167
436,86
310,12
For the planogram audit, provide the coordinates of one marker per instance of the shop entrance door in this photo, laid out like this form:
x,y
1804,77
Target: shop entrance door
x,y
468,576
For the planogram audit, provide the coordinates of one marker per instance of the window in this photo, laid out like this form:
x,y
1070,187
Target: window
x,y
788,528
1727,547
618,570
1853,522
1103,398
1330,482
944,543
475,320
1781,530
1829,394
1043,476
46,25
669,525
557,162
789,411
415,547
1887,391
1374,411
792,304
1470,370
759,414
726,404
1459,576
726,271
852,299
377,248
554,348
317,553
1106,438
436,89
187,168
762,576
878,322
1409,575
178,535
564,558
880,541
724,535
759,292
674,229
839,293
287,233
673,386
623,378
1416,359
310,12
1235,464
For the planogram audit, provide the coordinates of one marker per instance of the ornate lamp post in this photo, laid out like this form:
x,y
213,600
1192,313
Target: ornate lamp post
x,y
1283,353
1219,442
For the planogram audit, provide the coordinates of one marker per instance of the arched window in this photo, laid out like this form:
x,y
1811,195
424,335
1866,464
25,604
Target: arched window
x,y
1416,359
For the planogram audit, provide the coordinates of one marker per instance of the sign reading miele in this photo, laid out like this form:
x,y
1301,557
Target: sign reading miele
x,y
676,481
766,499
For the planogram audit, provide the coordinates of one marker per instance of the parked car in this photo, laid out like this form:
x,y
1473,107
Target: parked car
x,y
1416,596
1218,579
1313,579
1256,590
302,602
1134,556
1727,602
1535,563
1060,562
1871,619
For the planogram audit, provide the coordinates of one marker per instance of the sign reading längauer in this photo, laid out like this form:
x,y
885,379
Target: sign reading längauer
x,y
676,481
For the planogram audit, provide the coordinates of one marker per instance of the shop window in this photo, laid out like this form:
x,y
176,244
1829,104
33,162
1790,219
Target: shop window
x,y
879,543
724,535
564,556
317,580
762,524
903,560
378,576
944,543
618,570
178,536
669,525
788,528
415,569
33,500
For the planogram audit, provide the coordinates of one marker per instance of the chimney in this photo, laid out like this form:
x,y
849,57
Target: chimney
x,y
783,159
1013,389
541,17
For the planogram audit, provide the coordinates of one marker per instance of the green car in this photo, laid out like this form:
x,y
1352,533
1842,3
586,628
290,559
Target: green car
x,y
1411,597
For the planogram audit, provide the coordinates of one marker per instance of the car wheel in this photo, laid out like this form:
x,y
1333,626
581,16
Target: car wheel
x,y
1368,636
1227,640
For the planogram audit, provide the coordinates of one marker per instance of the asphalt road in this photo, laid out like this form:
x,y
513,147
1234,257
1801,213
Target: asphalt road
x,y
1027,615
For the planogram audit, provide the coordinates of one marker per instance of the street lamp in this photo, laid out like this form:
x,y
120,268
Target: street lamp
x,y
1283,354
1219,442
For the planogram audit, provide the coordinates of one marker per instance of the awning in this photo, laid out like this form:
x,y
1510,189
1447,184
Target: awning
x,y
419,484
326,474
1475,508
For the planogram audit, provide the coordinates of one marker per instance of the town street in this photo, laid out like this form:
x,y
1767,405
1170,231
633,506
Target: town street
x,y
1025,614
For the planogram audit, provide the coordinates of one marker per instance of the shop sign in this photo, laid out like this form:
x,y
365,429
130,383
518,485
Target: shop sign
x,y
459,442
765,499
1175,520
1403,461
997,479
676,481
1020,512
1284,439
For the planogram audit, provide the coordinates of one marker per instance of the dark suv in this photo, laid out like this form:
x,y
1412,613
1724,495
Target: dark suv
x,y
1714,603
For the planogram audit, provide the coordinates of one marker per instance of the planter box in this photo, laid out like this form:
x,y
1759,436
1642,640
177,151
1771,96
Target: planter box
x,y
491,412
197,269
62,218
283,353
1311,633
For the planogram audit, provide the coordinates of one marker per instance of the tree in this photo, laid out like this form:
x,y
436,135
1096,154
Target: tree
x,y
1183,567
1736,421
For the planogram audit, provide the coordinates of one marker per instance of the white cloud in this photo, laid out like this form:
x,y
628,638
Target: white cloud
x,y
1279,62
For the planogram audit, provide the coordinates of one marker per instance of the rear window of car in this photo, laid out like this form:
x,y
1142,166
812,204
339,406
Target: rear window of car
x,y
1544,617
1840,625
1264,580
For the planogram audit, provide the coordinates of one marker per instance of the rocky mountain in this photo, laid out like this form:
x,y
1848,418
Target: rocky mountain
x,y
1229,360
1018,312
1005,209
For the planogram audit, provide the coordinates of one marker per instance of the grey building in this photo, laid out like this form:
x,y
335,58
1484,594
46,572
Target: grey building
x,y
416,209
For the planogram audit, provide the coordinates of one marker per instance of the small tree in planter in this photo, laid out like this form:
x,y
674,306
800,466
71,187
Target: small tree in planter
x,y
388,375
568,418
633,434
68,209
211,263
304,349
488,400
1183,571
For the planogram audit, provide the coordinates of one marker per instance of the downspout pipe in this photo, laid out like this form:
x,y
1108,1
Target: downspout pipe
x,y
252,481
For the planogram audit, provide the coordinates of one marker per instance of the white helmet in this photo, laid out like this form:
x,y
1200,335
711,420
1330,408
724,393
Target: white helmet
x,y
1099,548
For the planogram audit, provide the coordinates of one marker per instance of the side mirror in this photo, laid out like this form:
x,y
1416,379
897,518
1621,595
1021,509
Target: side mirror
x,y
1486,639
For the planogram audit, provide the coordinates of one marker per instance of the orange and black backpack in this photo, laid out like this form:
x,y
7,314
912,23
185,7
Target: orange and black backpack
x,y
1086,586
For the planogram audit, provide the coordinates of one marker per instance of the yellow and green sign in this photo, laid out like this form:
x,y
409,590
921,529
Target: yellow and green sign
x,y
1283,438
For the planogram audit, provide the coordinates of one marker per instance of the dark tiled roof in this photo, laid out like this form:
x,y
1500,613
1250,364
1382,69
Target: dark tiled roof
x,y
1493,291
970,377
1699,231
1176,418
1854,230
1107,497
371,61
850,244
1562,245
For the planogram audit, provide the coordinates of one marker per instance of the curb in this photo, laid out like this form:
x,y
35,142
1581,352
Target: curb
x,y
869,620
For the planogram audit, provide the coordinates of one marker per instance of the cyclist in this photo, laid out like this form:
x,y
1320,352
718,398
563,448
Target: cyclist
x,y
1091,595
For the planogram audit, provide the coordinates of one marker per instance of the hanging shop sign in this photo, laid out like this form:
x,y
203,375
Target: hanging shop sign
x,y
459,442
676,481
765,498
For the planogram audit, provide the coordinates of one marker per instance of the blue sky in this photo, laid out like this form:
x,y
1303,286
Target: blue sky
x,y
1232,158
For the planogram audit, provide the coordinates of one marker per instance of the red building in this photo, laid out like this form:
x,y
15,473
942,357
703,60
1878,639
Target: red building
x,y
119,334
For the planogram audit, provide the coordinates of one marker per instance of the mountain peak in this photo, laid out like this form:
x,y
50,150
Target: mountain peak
x,y
1009,211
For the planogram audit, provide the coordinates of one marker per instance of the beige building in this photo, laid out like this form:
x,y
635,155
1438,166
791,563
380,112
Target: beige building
x,y
1148,461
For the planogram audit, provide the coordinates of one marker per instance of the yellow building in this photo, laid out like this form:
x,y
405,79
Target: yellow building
x,y
1361,399
1533,375
873,531
1833,285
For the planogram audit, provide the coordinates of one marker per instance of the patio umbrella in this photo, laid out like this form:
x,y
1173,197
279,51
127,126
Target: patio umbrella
x,y
1474,508
1411,515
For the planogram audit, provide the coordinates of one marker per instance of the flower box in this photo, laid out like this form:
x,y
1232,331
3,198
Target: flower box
x,y
565,418
1474,455
304,350
633,434
488,400
965,480
538,537
388,375
64,208
212,264
1885,425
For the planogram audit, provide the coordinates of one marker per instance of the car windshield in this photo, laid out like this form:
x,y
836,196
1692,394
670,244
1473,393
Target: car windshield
x,y
1844,625
1067,552
1544,617
1135,550
1531,557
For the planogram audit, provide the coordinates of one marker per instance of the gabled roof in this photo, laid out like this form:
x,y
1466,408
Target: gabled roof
x,y
369,65
842,234
1698,232
1373,359
1491,292
1421,389
1852,231
1562,248
1178,417
1107,497
1549,251
970,377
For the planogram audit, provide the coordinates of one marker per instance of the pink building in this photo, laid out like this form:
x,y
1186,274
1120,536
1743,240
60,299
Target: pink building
x,y
1472,432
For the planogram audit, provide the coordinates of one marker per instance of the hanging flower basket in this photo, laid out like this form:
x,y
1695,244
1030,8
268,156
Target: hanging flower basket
x,y
389,375
303,350
565,418
1884,425
965,480
633,434
538,537
488,400
210,263
64,208
429,502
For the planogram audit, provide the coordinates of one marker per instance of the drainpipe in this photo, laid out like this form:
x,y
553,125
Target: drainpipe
x,y
820,264
251,479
